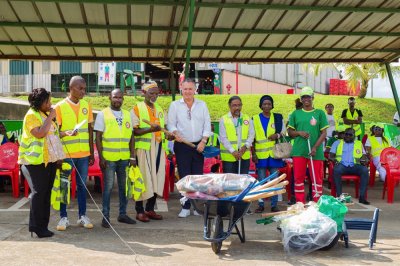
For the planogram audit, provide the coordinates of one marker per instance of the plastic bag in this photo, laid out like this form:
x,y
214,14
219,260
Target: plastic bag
x,y
198,195
213,184
334,209
307,232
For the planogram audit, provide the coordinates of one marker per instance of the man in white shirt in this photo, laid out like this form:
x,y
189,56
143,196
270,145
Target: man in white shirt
x,y
189,119
331,120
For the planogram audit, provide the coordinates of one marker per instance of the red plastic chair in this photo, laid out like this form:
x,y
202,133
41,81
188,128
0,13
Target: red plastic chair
x,y
354,178
94,170
169,178
9,165
209,162
390,159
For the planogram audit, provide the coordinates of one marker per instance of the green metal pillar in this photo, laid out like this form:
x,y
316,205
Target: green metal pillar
x,y
172,80
393,86
189,38
121,81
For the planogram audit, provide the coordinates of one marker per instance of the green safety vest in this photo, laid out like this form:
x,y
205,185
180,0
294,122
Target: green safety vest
x,y
232,137
356,127
31,148
116,139
143,141
376,147
357,151
263,146
80,142
212,140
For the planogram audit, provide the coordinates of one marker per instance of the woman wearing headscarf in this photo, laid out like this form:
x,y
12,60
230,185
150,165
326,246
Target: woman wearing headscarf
x,y
39,152
268,127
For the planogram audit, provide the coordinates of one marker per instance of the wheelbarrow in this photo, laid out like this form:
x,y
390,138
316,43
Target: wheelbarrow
x,y
214,213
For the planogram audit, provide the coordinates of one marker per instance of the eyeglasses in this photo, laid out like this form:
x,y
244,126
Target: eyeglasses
x,y
189,113
349,134
378,129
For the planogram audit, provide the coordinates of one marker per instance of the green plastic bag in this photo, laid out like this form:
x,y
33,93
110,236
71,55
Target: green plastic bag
x,y
334,209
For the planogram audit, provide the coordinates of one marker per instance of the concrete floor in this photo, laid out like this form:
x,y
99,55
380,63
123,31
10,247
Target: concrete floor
x,y
177,241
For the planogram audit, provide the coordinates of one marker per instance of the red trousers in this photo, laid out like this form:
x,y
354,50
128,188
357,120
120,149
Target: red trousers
x,y
300,167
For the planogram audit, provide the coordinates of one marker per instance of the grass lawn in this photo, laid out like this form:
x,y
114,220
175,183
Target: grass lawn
x,y
374,110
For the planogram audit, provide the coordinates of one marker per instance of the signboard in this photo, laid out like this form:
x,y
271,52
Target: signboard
x,y
107,73
14,127
393,133
213,65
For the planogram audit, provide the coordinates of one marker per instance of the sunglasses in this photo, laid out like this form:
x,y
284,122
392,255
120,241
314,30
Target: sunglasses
x,y
349,134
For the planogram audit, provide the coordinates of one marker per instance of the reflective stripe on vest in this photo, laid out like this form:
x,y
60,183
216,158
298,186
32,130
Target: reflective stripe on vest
x,y
55,198
357,151
115,138
143,141
376,147
356,127
263,146
80,142
31,148
232,138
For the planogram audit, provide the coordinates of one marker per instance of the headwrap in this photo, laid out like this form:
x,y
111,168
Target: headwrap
x,y
266,97
148,85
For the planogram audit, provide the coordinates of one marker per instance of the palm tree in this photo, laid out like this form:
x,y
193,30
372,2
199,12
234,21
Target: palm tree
x,y
358,73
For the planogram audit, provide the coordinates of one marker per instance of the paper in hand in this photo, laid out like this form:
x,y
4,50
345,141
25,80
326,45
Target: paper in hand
x,y
78,126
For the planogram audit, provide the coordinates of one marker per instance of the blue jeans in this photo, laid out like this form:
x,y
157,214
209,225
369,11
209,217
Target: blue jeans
x,y
82,167
261,172
357,169
118,167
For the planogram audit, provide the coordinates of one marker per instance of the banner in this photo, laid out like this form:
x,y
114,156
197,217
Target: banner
x,y
107,73
393,133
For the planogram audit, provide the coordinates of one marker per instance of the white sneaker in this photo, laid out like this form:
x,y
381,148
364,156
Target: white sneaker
x,y
85,222
63,224
184,213
195,213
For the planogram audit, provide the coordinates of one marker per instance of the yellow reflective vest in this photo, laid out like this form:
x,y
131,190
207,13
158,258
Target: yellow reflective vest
x,y
233,139
143,141
263,146
357,151
115,138
134,183
212,140
80,142
356,127
55,198
376,147
31,148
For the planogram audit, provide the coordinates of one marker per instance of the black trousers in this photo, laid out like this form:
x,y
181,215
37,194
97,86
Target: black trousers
x,y
189,161
42,180
151,202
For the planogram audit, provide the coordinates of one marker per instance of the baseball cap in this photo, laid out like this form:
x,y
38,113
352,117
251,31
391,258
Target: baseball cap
x,y
380,125
307,91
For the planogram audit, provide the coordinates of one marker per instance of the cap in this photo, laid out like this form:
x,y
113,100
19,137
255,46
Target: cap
x,y
341,128
380,125
307,91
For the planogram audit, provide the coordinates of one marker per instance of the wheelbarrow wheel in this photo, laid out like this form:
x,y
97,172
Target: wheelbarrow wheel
x,y
216,231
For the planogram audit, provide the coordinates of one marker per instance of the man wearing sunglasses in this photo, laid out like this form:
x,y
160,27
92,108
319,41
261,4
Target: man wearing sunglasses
x,y
350,159
353,117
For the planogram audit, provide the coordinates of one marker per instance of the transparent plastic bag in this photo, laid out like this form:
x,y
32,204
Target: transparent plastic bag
x,y
213,184
307,232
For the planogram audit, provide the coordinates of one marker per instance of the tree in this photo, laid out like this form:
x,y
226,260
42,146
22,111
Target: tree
x,y
358,73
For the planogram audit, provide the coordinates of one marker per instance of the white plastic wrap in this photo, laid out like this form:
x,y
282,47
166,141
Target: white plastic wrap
x,y
213,184
307,232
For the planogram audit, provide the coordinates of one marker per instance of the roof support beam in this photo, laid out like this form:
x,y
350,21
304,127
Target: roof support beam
x,y
189,38
393,86
197,29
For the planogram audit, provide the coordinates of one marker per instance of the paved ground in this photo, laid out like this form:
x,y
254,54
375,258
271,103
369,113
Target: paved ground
x,y
176,241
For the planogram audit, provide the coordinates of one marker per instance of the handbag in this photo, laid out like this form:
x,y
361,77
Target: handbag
x,y
282,149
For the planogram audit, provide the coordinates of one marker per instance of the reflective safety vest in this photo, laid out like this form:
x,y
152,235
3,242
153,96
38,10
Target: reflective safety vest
x,y
31,148
134,183
233,139
357,151
56,193
263,146
356,127
376,147
212,140
80,142
143,141
115,138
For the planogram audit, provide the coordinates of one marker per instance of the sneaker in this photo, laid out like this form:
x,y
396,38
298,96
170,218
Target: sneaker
x,y
105,222
123,218
195,213
63,224
85,222
184,213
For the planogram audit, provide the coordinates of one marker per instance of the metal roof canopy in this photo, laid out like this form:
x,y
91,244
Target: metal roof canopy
x,y
221,31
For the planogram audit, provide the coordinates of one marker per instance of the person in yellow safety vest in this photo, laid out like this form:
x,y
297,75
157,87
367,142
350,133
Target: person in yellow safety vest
x,y
236,135
78,145
116,147
353,117
268,127
213,140
39,156
374,146
350,159
151,145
